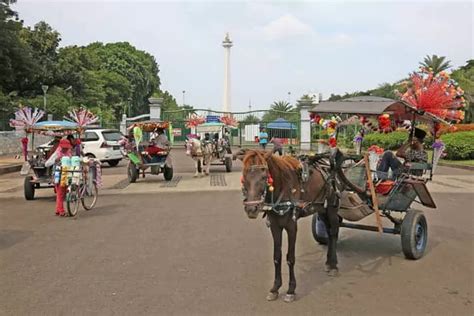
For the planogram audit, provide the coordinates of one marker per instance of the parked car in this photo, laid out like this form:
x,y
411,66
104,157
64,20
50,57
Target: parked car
x,y
103,144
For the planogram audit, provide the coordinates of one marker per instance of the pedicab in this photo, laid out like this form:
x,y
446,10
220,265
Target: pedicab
x,y
145,155
218,135
392,199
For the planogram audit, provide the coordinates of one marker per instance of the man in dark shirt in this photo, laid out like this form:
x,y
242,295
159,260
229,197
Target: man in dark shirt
x,y
277,145
411,151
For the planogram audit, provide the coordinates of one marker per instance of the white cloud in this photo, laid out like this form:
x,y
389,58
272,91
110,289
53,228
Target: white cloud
x,y
286,26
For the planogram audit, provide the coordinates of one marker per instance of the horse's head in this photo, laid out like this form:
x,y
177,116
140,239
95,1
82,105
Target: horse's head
x,y
256,182
193,146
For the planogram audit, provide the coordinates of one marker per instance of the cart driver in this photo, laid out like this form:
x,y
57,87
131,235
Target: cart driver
x,y
411,151
160,139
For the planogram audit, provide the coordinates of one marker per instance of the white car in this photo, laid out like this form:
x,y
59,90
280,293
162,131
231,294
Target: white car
x,y
103,144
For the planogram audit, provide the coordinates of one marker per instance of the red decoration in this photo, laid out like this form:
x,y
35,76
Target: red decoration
x,y
332,142
229,120
315,118
195,120
385,125
24,147
376,149
269,179
436,94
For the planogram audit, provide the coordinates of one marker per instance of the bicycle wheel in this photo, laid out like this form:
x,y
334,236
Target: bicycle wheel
x,y
89,196
72,200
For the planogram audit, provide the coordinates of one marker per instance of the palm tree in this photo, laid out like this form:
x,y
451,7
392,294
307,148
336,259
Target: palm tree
x,y
281,106
436,63
251,119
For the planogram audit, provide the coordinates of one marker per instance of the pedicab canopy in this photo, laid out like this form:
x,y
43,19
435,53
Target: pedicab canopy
x,y
150,126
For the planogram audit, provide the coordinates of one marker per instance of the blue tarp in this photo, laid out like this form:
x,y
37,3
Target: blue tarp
x,y
281,123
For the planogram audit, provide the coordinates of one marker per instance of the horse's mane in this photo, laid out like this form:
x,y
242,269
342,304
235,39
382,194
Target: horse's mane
x,y
281,166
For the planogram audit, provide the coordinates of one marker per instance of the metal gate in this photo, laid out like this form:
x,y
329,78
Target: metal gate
x,y
283,125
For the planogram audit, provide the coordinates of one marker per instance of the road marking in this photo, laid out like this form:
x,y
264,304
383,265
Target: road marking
x,y
217,180
171,184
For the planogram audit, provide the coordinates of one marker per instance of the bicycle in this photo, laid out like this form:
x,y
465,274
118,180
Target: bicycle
x,y
85,190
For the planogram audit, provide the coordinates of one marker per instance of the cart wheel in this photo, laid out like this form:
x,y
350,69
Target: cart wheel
x,y
414,233
132,173
89,197
319,230
168,173
72,200
228,164
29,188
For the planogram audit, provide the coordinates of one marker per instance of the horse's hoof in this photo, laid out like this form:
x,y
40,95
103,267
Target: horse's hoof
x,y
289,298
327,268
195,176
333,272
272,296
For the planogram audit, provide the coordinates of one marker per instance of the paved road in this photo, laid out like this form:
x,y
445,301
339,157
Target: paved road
x,y
197,253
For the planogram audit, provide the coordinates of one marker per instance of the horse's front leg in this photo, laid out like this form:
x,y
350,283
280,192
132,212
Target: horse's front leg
x,y
208,164
291,229
196,165
277,237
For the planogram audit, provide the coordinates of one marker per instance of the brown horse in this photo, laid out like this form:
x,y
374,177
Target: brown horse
x,y
277,186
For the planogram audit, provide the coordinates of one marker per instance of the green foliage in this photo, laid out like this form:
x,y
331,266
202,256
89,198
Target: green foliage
x,y
281,109
465,77
459,146
250,119
436,63
112,78
391,141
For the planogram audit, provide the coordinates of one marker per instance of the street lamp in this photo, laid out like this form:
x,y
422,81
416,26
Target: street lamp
x,y
184,91
45,89
289,96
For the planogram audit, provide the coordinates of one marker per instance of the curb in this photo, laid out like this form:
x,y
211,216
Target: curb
x,y
10,168
443,164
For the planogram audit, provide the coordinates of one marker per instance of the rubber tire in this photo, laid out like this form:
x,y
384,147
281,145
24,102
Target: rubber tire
x,y
408,234
132,173
96,194
168,173
228,164
320,240
72,200
113,163
29,188
90,156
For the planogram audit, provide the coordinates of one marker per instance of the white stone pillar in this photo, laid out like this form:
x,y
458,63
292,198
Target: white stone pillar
x,y
123,124
155,108
227,44
305,125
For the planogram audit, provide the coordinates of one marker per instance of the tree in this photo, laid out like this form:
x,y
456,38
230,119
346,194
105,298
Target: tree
x,y
250,119
43,42
281,109
436,63
464,76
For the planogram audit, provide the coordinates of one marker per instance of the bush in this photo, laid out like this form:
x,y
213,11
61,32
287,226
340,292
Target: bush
x,y
459,146
390,141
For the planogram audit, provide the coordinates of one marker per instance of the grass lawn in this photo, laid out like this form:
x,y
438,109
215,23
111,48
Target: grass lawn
x,y
459,162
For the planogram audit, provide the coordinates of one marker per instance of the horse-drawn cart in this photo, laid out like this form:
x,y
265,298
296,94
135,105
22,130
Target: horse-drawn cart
x,y
218,135
362,192
149,150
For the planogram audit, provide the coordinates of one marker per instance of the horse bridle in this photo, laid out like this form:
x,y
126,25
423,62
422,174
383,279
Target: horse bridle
x,y
265,189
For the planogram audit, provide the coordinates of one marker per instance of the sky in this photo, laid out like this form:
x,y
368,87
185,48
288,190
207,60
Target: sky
x,y
281,50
